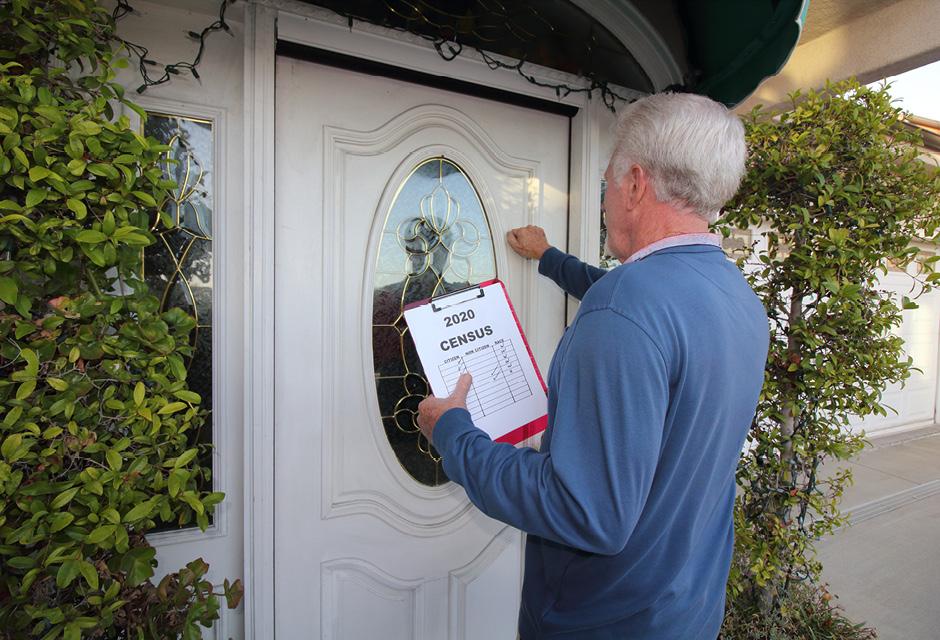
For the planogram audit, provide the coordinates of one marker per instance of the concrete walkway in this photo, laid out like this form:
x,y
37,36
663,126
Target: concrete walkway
x,y
885,566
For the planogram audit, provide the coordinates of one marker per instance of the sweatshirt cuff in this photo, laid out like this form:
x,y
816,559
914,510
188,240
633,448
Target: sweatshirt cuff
x,y
450,426
551,260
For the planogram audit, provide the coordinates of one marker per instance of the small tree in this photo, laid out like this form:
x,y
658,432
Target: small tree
x,y
835,184
95,445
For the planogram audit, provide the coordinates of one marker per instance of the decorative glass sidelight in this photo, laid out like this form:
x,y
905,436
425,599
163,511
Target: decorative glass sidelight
x,y
436,240
178,266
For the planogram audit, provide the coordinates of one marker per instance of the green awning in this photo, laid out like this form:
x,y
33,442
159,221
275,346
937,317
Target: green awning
x,y
720,48
733,45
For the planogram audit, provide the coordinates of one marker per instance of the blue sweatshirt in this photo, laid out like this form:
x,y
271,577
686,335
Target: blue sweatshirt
x,y
628,504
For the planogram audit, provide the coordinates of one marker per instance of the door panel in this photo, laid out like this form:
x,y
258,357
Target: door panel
x,y
362,549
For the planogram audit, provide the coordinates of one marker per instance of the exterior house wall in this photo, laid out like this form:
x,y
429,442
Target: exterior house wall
x,y
217,97
235,93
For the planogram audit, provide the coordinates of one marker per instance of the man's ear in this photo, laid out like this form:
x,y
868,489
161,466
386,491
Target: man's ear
x,y
636,186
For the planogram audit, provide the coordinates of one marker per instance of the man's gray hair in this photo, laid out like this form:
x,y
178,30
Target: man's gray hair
x,y
692,147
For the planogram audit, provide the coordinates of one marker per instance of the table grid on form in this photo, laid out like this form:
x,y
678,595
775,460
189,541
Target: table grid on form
x,y
498,378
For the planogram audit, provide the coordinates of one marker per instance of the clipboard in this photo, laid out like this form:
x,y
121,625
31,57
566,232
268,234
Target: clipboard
x,y
476,330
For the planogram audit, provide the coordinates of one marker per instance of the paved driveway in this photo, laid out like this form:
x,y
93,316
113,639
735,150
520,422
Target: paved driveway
x,y
885,567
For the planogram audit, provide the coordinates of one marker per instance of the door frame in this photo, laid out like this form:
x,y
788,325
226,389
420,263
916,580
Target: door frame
x,y
266,22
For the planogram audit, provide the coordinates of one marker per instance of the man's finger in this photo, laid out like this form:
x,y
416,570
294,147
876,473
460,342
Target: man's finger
x,y
463,386
512,239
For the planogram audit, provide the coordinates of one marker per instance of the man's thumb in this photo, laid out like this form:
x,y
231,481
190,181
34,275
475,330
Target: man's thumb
x,y
463,386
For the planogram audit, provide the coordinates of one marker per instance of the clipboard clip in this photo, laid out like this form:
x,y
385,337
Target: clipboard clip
x,y
435,307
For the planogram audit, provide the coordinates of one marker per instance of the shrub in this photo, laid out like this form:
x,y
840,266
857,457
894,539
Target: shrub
x,y
836,187
95,434
811,613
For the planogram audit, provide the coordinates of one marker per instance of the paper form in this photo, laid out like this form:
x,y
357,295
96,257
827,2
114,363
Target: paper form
x,y
476,332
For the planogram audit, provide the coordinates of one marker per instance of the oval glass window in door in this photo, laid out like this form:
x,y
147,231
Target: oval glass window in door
x,y
436,239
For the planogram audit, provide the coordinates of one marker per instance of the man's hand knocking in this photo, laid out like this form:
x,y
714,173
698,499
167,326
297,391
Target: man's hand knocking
x,y
528,242
431,408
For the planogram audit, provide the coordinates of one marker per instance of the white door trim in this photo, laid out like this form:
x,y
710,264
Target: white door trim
x,y
260,40
265,22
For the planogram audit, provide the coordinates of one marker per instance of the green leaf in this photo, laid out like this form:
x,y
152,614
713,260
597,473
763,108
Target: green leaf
x,y
35,196
23,305
60,521
64,498
86,127
78,208
188,396
100,534
115,461
38,173
144,197
10,445
139,391
111,515
22,562
142,510
32,362
76,167
8,290
212,499
89,573
12,416
26,389
137,564
176,481
108,224
103,170
135,239
23,329
172,407
190,498
67,573
29,579
20,157
58,384
90,236
179,369
52,432
185,458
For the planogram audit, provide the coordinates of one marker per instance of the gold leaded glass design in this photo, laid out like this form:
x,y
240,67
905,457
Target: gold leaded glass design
x,y
178,266
436,240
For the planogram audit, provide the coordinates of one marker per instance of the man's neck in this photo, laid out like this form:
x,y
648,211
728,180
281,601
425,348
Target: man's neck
x,y
664,224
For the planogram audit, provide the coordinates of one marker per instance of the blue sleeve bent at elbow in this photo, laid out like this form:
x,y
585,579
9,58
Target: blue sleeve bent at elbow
x,y
568,272
588,491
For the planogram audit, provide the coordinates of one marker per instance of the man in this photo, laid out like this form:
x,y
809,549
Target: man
x,y
651,391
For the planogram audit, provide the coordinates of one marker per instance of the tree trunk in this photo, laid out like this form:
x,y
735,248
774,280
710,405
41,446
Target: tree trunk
x,y
785,478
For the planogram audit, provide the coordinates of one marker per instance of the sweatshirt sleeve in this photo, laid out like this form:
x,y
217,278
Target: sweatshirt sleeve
x,y
588,491
569,273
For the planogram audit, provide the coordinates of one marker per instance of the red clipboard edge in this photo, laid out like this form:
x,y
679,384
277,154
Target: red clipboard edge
x,y
538,425
525,432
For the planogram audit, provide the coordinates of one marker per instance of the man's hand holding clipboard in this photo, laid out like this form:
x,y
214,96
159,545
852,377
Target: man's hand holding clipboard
x,y
432,408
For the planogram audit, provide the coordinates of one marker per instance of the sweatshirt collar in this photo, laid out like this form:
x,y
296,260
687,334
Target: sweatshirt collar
x,y
681,240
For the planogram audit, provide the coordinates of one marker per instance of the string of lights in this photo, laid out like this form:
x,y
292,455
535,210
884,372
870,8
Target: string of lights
x,y
146,64
448,49
451,49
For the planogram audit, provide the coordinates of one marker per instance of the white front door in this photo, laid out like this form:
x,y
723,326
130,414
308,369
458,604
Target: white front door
x,y
381,191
